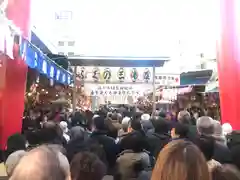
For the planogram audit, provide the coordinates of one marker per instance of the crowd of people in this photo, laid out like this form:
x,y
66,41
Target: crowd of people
x,y
122,145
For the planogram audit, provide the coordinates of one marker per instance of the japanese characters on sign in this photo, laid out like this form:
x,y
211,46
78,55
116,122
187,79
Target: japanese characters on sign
x,y
107,74
82,73
124,75
109,90
167,79
121,74
96,74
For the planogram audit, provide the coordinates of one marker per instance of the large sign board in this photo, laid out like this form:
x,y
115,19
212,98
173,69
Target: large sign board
x,y
126,75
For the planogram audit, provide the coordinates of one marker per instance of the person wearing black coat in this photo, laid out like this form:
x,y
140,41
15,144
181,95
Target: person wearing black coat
x,y
99,134
160,137
205,127
77,142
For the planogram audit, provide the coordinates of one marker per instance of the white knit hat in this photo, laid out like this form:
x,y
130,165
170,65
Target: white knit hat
x,y
145,117
227,128
125,120
64,126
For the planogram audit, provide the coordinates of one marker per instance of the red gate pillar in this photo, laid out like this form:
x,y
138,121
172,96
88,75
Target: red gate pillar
x,y
229,62
13,75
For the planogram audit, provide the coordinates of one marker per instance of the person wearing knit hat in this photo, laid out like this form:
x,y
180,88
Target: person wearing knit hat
x,y
124,130
125,123
205,127
227,129
146,123
64,126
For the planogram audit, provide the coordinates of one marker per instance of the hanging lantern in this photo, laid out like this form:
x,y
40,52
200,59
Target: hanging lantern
x,y
134,75
37,79
51,81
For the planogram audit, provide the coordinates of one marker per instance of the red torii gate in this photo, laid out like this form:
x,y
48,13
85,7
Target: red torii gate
x,y
13,76
229,62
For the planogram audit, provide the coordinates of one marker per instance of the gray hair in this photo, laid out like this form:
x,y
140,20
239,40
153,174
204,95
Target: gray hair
x,y
205,125
40,163
217,128
184,117
12,161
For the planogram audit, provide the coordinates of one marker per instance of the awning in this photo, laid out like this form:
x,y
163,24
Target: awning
x,y
216,89
195,78
212,87
39,43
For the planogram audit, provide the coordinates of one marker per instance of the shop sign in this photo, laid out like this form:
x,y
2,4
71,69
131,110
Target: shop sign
x,y
110,90
167,79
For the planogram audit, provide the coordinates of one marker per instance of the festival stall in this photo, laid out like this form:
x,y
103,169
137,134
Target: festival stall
x,y
211,97
49,79
16,53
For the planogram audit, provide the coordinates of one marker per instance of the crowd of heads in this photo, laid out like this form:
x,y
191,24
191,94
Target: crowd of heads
x,y
123,144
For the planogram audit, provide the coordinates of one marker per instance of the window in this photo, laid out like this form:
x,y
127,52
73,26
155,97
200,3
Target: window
x,y
71,43
60,43
63,15
70,53
61,53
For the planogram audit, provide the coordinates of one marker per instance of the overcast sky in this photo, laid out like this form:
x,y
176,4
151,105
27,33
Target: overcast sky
x,y
130,27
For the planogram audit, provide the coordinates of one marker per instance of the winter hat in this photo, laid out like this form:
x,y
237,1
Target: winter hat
x,y
125,121
145,117
95,116
227,128
64,126
145,122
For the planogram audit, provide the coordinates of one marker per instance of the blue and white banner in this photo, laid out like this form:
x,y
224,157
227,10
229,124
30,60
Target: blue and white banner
x,y
15,46
36,59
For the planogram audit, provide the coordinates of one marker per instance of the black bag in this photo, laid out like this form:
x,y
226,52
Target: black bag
x,y
233,139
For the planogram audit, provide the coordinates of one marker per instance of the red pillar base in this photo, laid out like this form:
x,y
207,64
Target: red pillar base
x,y
12,90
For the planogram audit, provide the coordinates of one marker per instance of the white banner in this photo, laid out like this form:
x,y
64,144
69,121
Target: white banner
x,y
115,89
137,75
115,74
